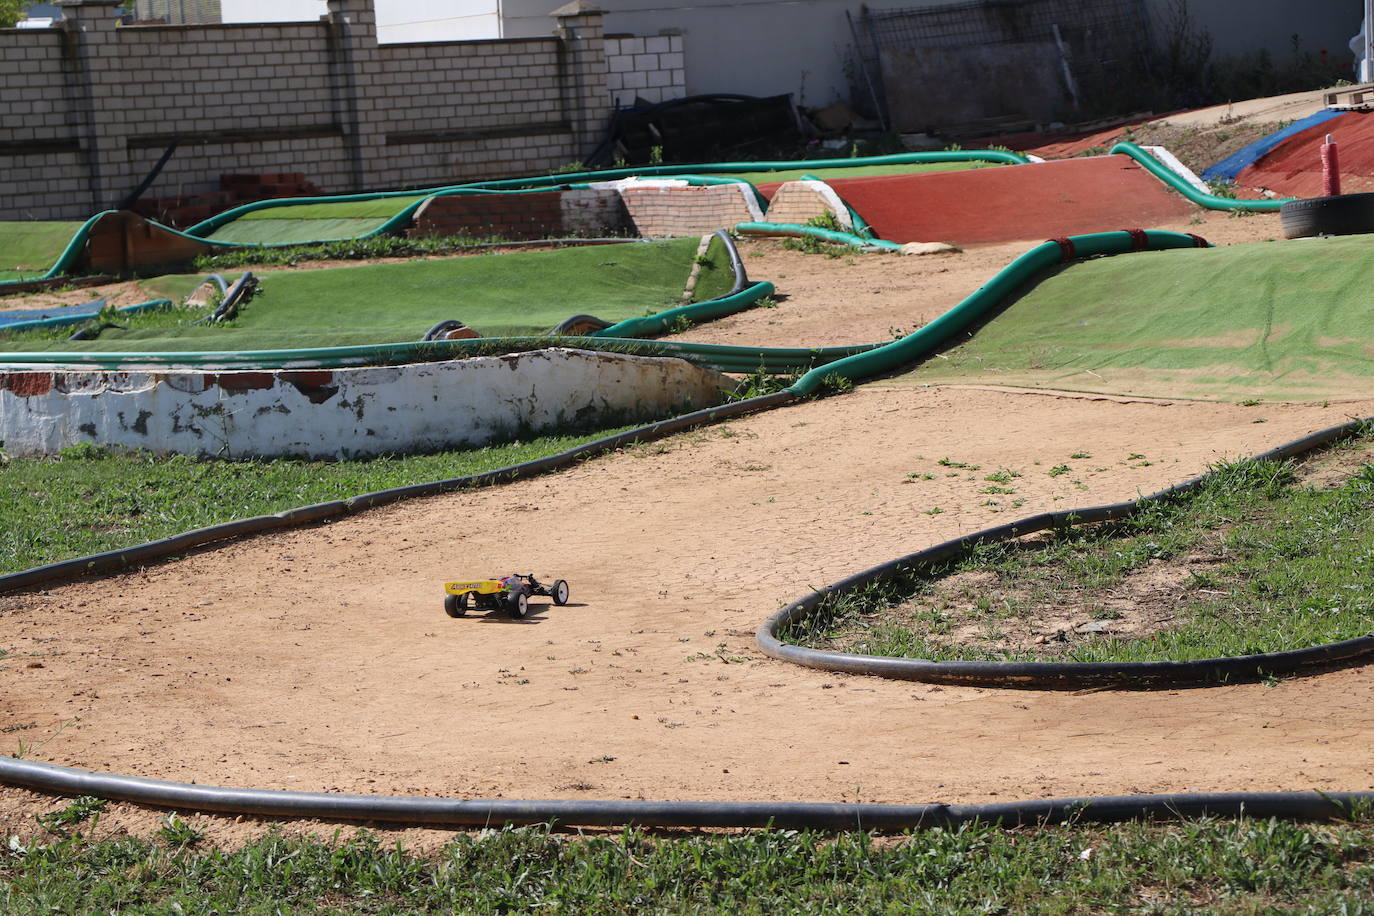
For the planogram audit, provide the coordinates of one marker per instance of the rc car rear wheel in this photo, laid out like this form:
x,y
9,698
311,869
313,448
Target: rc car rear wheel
x,y
519,605
559,592
455,605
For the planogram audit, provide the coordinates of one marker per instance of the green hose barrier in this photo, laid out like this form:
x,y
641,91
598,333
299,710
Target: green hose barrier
x,y
774,360
64,320
816,232
695,312
580,179
1173,180
926,340
1002,157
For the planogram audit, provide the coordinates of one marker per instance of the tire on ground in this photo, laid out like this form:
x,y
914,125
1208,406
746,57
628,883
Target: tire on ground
x,y
1341,214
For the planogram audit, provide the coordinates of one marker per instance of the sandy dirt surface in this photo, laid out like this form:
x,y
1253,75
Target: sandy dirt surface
x,y
321,659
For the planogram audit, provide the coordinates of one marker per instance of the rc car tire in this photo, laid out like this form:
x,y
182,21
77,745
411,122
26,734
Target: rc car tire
x,y
559,592
455,605
1340,214
519,605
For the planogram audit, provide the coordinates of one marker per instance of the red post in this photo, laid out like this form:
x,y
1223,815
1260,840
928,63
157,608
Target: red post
x,y
1331,168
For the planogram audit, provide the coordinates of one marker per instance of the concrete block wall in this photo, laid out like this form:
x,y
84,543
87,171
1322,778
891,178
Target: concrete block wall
x,y
344,413
649,68
41,123
98,105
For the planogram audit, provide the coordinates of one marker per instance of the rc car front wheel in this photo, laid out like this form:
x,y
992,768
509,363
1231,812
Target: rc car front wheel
x,y
559,592
519,605
455,605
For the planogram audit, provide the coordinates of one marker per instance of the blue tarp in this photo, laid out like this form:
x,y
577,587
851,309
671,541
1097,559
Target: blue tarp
x,y
1230,168
84,310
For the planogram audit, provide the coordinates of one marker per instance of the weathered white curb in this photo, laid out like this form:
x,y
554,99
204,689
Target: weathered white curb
x,y
344,413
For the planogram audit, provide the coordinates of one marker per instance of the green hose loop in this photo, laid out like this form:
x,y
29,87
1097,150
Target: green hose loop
x,y
816,232
1173,180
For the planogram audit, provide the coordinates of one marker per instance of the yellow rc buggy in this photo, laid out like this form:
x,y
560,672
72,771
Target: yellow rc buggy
x,y
509,593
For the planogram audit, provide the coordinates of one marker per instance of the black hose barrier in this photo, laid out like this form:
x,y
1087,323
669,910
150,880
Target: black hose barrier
x,y
736,262
1054,675
580,325
148,180
306,515
447,812
442,328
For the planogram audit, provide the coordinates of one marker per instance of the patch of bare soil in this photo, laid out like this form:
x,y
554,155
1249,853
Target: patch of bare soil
x,y
1201,146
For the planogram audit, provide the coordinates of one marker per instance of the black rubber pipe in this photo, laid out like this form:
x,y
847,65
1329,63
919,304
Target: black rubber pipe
x,y
1053,675
447,812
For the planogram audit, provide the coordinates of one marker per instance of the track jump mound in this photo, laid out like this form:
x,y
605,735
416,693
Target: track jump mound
x,y
1037,201
1271,321
1294,167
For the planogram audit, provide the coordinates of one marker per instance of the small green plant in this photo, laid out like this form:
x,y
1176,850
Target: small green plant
x,y
951,463
656,155
80,809
1080,455
1058,470
680,325
177,833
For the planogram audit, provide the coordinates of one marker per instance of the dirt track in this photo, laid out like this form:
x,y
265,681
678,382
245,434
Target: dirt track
x,y
321,659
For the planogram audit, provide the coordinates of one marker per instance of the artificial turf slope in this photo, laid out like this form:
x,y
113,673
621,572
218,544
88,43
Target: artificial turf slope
x,y
516,294
1276,321
28,249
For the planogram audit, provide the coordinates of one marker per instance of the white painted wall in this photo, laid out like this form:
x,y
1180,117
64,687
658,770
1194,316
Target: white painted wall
x,y
344,412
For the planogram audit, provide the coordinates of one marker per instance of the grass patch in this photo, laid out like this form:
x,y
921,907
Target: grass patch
x,y
91,500
1197,865
1278,321
500,295
1253,561
380,246
30,248
864,171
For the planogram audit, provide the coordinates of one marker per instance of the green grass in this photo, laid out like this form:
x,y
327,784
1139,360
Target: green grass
x,y
512,294
1274,320
312,222
1246,866
864,171
1268,565
346,209
30,248
92,500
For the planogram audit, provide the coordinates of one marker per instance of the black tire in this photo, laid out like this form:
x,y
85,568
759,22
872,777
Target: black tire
x,y
1342,214
455,605
579,326
559,592
519,605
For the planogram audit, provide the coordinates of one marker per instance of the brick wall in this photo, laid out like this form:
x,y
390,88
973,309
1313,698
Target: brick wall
x,y
651,69
99,105
799,201
661,212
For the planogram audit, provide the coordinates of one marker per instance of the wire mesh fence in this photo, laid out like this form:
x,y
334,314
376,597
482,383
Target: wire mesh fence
x,y
177,12
1100,48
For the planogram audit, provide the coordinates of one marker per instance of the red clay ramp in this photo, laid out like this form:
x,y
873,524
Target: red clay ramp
x,y
1038,201
1294,167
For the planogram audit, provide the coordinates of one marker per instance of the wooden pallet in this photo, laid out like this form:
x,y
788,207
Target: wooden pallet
x,y
1350,98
